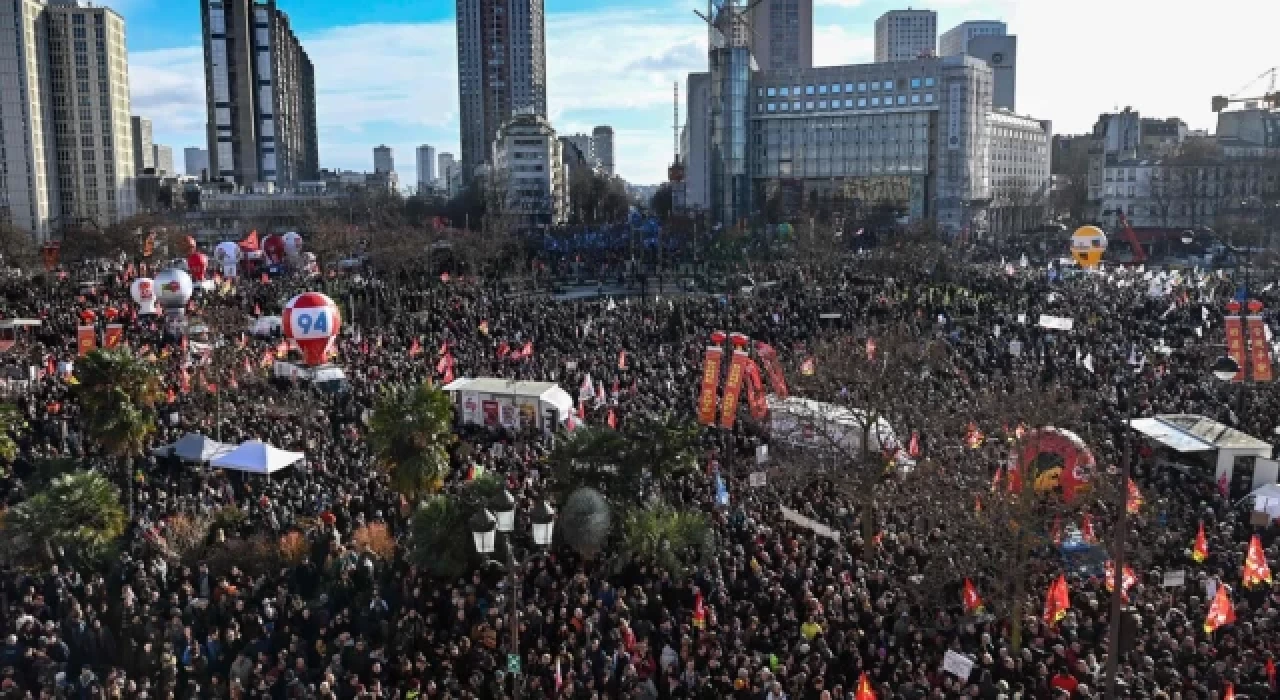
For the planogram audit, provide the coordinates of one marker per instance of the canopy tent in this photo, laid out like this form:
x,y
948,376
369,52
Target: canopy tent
x,y
1267,500
194,447
256,457
1221,445
495,401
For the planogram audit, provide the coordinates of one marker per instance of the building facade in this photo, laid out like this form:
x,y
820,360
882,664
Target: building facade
x,y
908,135
1019,155
195,162
693,142
529,168
260,95
602,149
426,162
502,70
1001,53
162,156
782,34
905,35
144,157
384,160
955,41
585,146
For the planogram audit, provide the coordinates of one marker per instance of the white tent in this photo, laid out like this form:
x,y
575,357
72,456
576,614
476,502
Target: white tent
x,y
256,457
1267,500
195,447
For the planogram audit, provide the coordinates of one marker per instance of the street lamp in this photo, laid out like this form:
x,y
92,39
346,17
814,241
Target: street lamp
x,y
500,517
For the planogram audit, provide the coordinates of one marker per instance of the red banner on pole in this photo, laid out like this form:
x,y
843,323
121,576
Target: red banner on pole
x,y
112,337
710,380
1260,352
773,368
733,388
1235,344
86,339
755,392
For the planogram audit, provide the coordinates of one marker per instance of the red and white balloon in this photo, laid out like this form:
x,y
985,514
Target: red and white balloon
x,y
312,320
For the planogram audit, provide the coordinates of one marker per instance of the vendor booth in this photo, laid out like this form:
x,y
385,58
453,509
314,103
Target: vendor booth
x,y
814,424
1195,444
499,402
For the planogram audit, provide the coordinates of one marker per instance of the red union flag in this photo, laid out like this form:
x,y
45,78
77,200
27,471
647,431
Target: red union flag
x,y
710,379
1235,344
772,369
1259,349
1221,612
972,603
1255,569
733,382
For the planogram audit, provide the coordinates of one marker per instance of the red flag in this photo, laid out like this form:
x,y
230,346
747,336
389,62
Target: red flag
x,y
582,409
1255,569
266,279
622,359
1229,692
972,603
612,420
1271,673
772,369
864,689
415,348
232,383
809,367
184,382
50,366
257,310
913,448
615,388
527,351
448,374
1200,551
973,438
169,396
871,349
1134,501
995,480
503,349
1056,601
1086,530
1127,579
446,362
699,612
1221,612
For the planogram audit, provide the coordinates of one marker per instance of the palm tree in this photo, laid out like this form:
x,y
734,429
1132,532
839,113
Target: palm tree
x,y
79,513
9,422
119,392
621,463
409,433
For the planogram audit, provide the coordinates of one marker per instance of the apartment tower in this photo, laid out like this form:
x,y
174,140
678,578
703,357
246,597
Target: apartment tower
x,y
905,35
782,34
260,95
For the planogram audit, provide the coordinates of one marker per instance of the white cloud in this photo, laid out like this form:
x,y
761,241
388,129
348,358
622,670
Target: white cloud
x,y
834,45
838,3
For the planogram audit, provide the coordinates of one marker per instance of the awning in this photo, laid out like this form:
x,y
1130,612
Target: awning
x,y
1191,433
1169,436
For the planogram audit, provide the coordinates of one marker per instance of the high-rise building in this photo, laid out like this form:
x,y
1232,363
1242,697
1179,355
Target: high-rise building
x,y
260,95
163,158
602,148
693,141
384,160
990,41
782,34
27,136
96,169
143,147
443,162
502,71
585,146
529,156
426,167
905,35
195,161
955,41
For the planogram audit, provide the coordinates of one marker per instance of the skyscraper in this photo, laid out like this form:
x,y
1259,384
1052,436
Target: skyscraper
x,y
905,35
426,167
260,95
990,41
195,161
65,135
384,160
502,70
782,34
955,41
163,158
143,153
602,148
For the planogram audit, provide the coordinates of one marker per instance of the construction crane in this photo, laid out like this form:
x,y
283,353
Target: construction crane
x,y
1139,255
1271,97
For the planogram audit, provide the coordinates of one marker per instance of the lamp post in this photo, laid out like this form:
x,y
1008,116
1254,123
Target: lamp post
x,y
500,517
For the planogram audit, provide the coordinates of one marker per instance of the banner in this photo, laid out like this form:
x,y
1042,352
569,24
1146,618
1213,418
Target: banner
x,y
710,380
773,368
86,339
1235,344
755,392
112,337
733,388
1261,357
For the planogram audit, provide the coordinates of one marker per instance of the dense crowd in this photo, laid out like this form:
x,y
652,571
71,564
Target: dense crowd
x,y
787,613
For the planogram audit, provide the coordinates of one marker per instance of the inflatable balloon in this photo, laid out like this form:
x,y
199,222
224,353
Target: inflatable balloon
x,y
197,263
227,254
173,291
273,248
1088,244
88,316
1071,477
311,320
143,291
111,313
292,244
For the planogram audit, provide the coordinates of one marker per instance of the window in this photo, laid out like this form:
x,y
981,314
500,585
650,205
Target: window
x,y
862,102
848,87
77,19
848,104
808,105
773,107
875,102
915,99
773,92
786,106
822,89
795,106
759,92
835,89
902,99
808,89
928,98
78,33
822,104
862,87
928,82
783,92
875,86
888,84
795,91
915,83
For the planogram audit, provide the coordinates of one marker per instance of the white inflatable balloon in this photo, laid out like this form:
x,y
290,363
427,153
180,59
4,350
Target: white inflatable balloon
x,y
173,290
143,291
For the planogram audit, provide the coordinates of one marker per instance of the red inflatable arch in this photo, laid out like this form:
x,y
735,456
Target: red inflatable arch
x,y
1078,463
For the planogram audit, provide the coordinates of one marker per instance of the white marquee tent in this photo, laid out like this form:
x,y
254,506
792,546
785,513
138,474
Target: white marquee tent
x,y
256,457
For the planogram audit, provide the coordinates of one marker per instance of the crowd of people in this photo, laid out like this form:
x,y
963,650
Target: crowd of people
x,y
781,611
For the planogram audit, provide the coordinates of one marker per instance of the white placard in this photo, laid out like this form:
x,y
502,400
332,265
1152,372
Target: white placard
x,y
1056,323
757,479
807,522
1022,318
1174,579
830,315
762,454
957,664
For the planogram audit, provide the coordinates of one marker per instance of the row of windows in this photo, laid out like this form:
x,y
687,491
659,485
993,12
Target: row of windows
x,y
861,103
835,88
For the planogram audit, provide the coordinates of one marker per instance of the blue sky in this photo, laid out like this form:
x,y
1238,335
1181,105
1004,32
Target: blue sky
x,y
386,69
